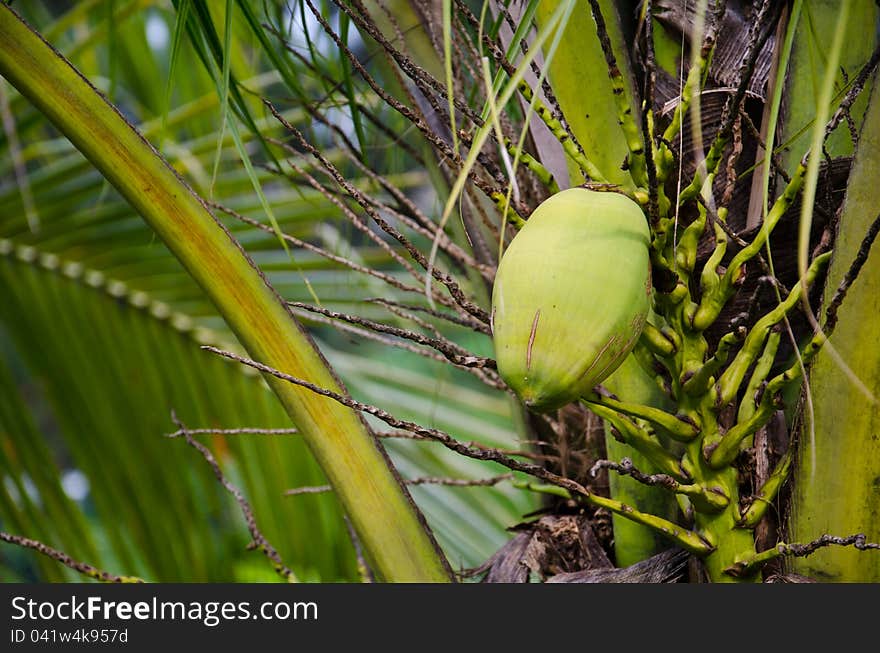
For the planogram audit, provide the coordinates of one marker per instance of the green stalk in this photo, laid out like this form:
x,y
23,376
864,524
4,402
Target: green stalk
x,y
390,527
763,498
585,92
721,529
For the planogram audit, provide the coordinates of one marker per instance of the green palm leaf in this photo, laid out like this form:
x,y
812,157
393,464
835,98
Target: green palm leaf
x,y
102,320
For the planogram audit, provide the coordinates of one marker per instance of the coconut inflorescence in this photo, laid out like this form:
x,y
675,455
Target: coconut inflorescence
x,y
571,296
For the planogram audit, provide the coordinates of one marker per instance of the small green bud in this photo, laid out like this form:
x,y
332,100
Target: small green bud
x,y
571,296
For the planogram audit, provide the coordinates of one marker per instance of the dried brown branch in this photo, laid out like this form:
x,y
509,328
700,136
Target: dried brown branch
x,y
364,570
308,489
408,435
258,540
338,197
846,103
754,132
626,468
459,482
469,451
859,541
730,167
494,229
415,319
430,232
850,276
750,314
426,82
66,560
352,217
415,219
371,335
649,83
782,549
413,94
444,278
758,35
246,430
455,319
480,373
422,480
399,434
430,87
854,92
507,66
453,352
375,120
387,278
442,146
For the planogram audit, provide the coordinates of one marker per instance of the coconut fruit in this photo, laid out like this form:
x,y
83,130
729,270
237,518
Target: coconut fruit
x,y
571,296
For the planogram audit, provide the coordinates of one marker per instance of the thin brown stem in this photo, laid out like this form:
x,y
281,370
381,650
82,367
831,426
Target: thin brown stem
x,y
451,285
685,538
453,352
850,276
455,319
246,430
66,560
258,540
387,278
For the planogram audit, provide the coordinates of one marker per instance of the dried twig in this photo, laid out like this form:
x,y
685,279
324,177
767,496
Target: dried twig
x,y
755,562
706,496
485,374
758,35
459,482
334,197
426,82
67,561
246,430
647,108
850,276
364,570
258,540
372,335
442,147
415,219
687,539
378,274
456,354
366,111
415,319
854,92
422,480
308,489
408,435
428,433
455,319
626,468
754,132
444,278
859,541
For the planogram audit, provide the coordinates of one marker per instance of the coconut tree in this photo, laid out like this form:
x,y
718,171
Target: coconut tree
x,y
606,226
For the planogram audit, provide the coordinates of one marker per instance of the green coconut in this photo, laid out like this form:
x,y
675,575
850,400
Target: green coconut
x,y
571,296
